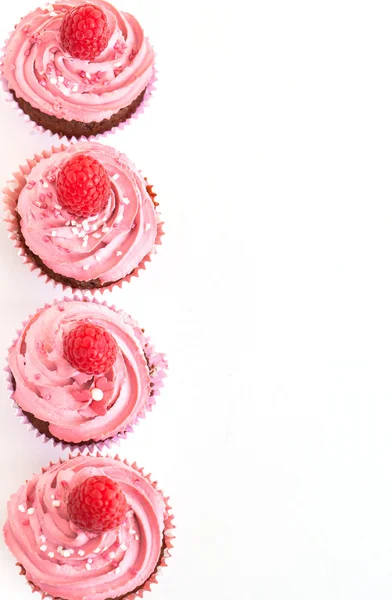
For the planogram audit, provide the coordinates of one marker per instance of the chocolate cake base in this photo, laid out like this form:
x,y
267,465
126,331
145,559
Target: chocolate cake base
x,y
78,129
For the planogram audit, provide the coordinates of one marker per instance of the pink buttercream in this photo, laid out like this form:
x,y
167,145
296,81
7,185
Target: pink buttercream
x,y
107,246
66,562
55,392
39,71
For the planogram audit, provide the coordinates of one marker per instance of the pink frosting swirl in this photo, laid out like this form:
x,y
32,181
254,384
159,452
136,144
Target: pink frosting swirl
x,y
107,246
66,562
80,407
39,71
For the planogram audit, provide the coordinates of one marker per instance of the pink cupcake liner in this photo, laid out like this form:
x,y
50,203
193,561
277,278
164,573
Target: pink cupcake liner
x,y
157,376
10,198
151,88
167,543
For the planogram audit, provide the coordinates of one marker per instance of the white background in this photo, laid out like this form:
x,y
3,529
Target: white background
x,y
270,144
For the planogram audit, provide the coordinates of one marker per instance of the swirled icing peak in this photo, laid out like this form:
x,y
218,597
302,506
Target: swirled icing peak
x,y
79,407
66,562
39,70
106,246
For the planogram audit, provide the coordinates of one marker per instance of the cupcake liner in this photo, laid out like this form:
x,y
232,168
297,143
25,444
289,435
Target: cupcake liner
x,y
167,543
10,198
150,89
157,376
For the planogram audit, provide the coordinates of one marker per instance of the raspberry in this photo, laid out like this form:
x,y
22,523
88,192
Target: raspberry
x,y
83,186
97,504
85,32
90,349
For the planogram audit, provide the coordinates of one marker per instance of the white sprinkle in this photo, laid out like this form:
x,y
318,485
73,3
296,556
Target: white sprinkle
x,y
88,75
132,531
58,206
112,555
88,567
43,548
56,503
86,267
53,496
59,549
53,80
85,241
71,551
119,253
31,511
75,231
117,65
106,548
105,229
97,551
123,547
97,394
148,226
94,227
73,223
86,226
51,554
68,223
117,570
21,508
60,78
89,560
42,538
137,538
125,200
96,235
49,7
98,258
116,176
78,224
66,553
45,184
53,13
81,552
54,234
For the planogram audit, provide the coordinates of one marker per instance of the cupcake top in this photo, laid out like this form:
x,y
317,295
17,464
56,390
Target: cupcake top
x,y
92,394
39,67
103,247
51,534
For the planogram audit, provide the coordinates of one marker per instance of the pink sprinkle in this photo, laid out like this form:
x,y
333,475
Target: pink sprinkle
x,y
25,29
42,197
67,250
137,482
53,49
46,239
48,397
30,185
117,72
44,83
13,68
64,483
41,348
37,376
26,523
27,52
50,195
116,224
61,307
82,74
44,206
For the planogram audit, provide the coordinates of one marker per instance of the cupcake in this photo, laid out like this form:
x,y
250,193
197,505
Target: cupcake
x,y
83,373
89,528
78,69
84,216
